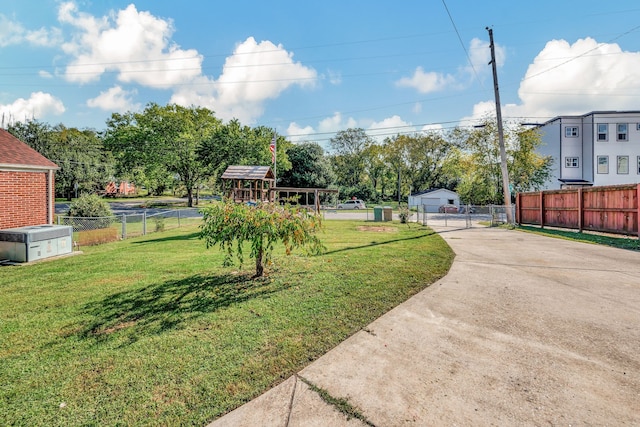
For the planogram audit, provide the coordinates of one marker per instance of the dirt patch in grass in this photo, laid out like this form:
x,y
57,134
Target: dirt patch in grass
x,y
115,328
378,228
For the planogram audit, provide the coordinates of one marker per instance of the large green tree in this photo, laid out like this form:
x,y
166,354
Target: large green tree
x,y
163,138
85,165
479,162
380,172
235,144
309,167
348,147
421,161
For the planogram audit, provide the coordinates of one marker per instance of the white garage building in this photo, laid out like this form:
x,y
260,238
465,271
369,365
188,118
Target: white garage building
x,y
434,198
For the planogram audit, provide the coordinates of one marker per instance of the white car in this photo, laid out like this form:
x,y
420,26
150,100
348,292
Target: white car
x,y
352,204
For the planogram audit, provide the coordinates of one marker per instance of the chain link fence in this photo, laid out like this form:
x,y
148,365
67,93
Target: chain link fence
x,y
91,231
464,216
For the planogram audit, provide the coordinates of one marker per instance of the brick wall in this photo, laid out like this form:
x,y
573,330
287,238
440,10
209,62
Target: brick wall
x,y
23,199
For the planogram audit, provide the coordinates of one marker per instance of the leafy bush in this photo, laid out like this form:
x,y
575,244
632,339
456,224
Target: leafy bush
x,y
404,213
89,206
159,223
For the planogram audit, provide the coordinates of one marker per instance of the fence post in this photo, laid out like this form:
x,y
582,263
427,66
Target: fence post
x,y
580,208
144,223
124,226
541,209
178,218
638,209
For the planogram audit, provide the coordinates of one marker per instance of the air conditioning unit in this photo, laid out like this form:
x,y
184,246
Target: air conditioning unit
x,y
26,244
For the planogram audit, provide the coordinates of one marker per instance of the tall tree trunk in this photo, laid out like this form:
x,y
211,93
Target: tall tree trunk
x,y
259,266
190,197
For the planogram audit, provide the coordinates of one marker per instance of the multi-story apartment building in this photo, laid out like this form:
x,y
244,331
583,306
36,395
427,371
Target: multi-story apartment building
x,y
595,149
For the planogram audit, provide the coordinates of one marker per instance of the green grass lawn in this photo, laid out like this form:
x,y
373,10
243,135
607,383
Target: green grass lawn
x,y
616,241
153,331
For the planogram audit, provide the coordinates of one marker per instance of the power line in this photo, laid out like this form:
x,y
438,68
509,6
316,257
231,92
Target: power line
x,y
582,54
416,128
462,44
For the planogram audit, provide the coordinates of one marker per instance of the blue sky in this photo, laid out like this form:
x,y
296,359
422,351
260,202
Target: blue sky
x,y
309,69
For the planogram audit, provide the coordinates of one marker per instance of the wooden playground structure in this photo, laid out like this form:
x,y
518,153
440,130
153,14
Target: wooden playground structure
x,y
253,184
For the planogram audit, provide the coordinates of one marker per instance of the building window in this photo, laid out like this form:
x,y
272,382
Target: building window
x,y
623,165
571,131
637,126
638,165
571,162
622,131
603,164
603,132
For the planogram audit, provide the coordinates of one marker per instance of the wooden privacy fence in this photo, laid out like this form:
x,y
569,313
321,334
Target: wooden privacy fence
x,y
611,209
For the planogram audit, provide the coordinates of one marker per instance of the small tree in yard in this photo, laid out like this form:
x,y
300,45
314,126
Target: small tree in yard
x,y
231,225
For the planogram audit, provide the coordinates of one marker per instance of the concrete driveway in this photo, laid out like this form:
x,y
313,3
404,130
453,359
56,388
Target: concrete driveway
x,y
524,330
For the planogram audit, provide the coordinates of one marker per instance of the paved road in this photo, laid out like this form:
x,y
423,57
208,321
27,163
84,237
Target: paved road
x,y
524,330
124,208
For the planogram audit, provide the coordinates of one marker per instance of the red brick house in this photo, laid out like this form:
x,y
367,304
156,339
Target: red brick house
x,y
26,184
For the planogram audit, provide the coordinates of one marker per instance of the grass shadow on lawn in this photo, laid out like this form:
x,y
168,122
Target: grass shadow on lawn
x,y
374,243
182,237
157,308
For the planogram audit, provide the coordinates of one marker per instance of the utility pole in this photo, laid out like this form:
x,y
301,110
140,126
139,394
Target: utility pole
x,y
503,152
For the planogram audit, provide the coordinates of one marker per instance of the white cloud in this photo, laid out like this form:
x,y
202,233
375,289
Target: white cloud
x,y
580,77
335,77
427,82
390,122
325,126
39,105
378,130
253,74
336,123
10,32
389,127
576,78
137,47
432,127
295,133
479,56
133,44
13,33
114,99
45,74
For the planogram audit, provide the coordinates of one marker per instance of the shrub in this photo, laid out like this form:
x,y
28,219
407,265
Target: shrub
x,y
90,206
159,223
404,213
